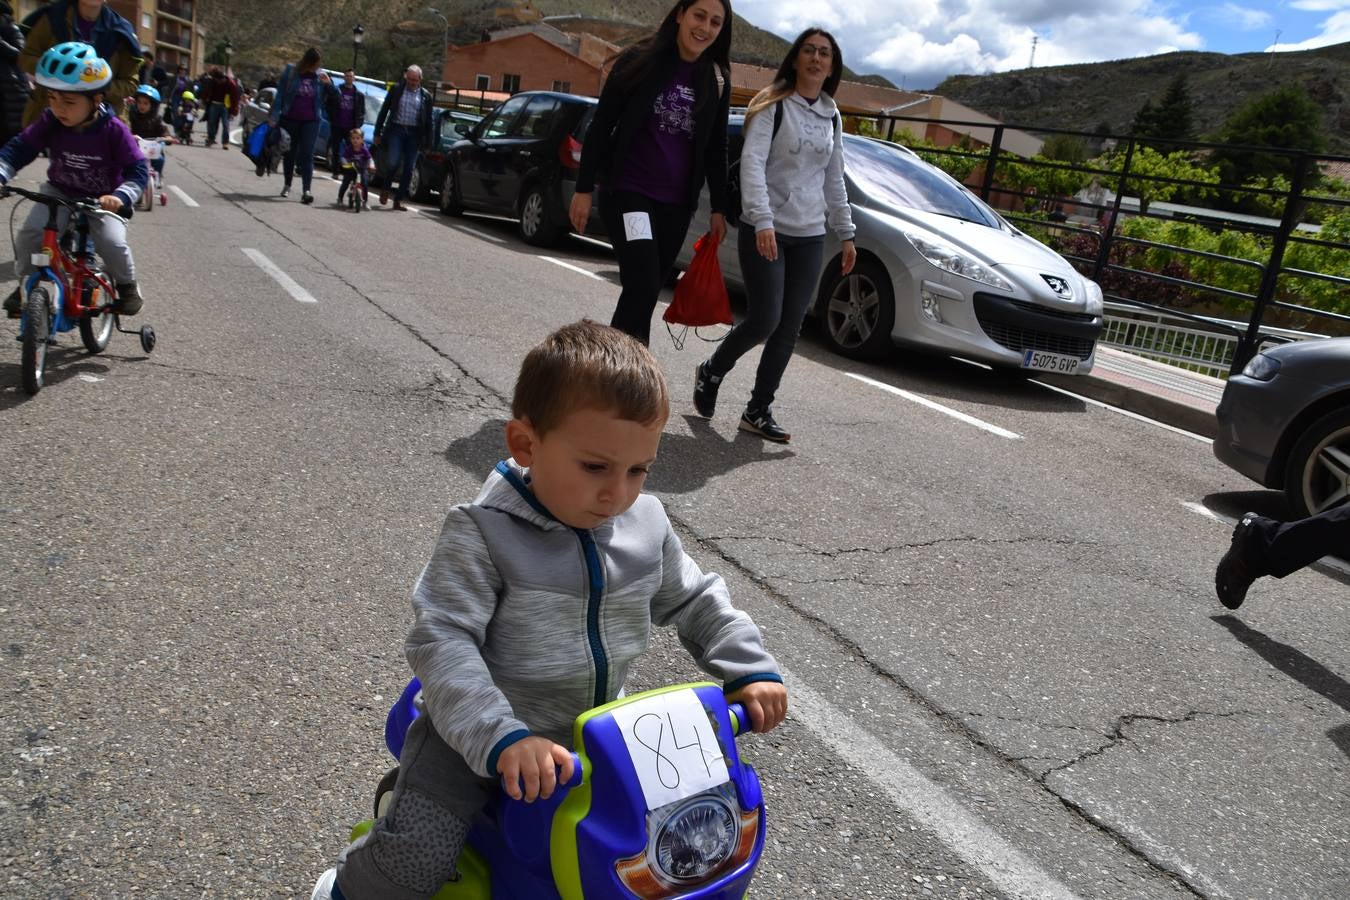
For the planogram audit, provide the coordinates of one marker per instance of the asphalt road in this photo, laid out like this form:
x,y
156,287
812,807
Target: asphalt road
x,y
1010,676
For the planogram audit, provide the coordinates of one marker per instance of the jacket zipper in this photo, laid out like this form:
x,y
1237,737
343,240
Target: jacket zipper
x,y
597,590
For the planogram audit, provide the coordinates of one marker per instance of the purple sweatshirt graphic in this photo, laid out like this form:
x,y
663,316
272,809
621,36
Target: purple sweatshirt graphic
x,y
103,158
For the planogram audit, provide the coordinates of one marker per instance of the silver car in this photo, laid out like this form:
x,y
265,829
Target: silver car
x,y
1285,422
937,269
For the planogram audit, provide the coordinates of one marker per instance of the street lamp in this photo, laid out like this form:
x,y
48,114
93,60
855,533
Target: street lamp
x,y
445,39
358,37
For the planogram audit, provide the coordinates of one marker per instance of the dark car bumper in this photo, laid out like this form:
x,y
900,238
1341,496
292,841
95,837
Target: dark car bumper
x,y
1022,326
1252,416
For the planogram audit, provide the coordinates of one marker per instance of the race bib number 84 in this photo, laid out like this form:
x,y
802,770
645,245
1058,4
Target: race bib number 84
x,y
672,746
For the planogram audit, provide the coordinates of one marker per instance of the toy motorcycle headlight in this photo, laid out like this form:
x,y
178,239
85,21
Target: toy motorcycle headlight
x,y
696,840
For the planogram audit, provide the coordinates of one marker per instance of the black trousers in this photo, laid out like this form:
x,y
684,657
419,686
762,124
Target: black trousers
x,y
1287,547
645,262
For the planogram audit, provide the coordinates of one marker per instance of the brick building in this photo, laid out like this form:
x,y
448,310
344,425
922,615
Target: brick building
x,y
533,57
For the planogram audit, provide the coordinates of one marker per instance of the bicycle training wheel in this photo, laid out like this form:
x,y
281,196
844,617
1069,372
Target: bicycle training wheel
x,y
36,328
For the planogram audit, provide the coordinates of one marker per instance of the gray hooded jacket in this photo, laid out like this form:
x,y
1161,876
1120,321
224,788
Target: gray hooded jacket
x,y
523,623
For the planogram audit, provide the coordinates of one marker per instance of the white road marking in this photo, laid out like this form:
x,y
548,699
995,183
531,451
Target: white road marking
x,y
923,799
1326,562
287,282
1125,412
92,379
178,192
945,410
567,265
482,234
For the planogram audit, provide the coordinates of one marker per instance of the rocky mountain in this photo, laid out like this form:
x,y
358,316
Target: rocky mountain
x,y
1078,97
267,34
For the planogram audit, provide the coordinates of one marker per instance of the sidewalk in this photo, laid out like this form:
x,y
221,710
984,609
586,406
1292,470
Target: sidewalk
x,y
1175,396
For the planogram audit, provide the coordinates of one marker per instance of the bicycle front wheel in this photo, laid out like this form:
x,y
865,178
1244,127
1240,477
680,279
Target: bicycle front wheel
x,y
37,324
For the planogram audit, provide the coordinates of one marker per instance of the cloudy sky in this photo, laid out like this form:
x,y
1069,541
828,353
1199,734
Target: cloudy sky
x,y
920,42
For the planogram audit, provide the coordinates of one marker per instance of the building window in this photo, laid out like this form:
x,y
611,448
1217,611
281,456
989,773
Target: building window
x,y
146,21
482,83
511,84
563,87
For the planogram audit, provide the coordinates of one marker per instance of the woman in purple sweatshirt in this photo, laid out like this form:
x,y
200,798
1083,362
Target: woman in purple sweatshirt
x,y
93,155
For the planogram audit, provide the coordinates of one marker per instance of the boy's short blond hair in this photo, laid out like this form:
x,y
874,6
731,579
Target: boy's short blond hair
x,y
587,365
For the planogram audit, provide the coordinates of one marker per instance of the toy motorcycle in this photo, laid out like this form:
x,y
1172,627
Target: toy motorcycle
x,y
659,806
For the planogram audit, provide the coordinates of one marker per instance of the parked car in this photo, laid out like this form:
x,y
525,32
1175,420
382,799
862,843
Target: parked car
x,y
256,110
937,269
1285,422
521,160
450,127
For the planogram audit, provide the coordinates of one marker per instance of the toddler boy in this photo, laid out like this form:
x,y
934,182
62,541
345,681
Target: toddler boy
x,y
538,596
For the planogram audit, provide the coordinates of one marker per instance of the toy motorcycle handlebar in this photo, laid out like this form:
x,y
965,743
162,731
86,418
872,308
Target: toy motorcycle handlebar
x,y
740,724
84,206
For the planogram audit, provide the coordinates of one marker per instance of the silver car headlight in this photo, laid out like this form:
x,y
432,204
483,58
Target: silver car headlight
x,y
949,259
1262,367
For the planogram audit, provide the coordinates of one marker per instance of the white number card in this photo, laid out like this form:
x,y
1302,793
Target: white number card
x,y
672,746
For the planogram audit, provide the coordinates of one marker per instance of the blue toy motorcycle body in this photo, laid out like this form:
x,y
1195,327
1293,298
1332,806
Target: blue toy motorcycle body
x,y
659,806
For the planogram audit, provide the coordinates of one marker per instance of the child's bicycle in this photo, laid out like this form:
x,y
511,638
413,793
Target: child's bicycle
x,y
356,194
153,150
68,290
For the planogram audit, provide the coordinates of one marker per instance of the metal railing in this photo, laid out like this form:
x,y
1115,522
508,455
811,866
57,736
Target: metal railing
x,y
1105,254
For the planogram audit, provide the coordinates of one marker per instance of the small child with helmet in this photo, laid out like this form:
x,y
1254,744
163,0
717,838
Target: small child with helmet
x,y
357,164
146,122
187,116
93,154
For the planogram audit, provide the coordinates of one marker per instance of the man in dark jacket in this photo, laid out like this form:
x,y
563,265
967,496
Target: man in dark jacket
x,y
402,130
220,97
346,110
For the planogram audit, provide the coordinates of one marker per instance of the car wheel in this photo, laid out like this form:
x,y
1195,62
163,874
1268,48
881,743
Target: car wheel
x,y
1317,475
417,188
535,227
450,204
859,310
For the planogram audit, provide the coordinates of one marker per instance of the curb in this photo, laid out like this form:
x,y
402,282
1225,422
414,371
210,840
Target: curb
x,y
1169,412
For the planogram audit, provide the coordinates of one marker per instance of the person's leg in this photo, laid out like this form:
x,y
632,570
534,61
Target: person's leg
x,y
801,276
764,282
640,272
292,129
213,115
304,161
412,849
109,234
347,178
407,159
27,241
393,160
1290,546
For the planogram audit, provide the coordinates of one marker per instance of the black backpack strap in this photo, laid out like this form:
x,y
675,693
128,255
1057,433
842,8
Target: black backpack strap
x,y
777,119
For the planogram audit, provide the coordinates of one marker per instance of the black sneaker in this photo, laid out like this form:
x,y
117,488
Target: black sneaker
x,y
760,422
14,305
286,191
1240,566
129,299
705,390
306,198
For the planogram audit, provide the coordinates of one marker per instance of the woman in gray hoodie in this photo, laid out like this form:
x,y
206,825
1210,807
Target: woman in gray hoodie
x,y
792,187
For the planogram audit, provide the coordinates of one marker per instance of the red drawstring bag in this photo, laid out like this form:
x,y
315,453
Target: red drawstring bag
x,y
701,295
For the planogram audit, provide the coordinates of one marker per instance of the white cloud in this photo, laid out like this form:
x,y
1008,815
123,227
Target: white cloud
x,y
1320,5
1244,17
1335,30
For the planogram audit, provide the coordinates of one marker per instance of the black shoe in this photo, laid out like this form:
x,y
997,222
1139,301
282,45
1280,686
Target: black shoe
x,y
14,305
1240,566
760,422
129,299
259,170
306,198
705,390
286,191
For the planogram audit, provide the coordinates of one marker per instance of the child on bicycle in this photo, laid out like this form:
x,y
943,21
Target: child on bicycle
x,y
93,155
511,639
356,163
147,123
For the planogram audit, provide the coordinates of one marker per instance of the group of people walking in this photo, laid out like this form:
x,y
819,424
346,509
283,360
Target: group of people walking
x,y
660,133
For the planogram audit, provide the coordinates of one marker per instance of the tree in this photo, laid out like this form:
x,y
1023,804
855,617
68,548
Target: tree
x,y
1065,148
1148,165
1283,119
1169,121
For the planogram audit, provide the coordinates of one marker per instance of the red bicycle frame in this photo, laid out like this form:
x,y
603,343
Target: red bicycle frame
x,y
70,269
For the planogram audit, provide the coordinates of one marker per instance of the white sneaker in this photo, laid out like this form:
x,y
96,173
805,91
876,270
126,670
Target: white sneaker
x,y
323,888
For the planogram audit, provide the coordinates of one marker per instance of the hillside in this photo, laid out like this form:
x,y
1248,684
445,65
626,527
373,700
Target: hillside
x,y
401,31
1072,97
